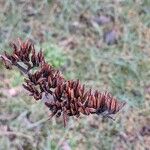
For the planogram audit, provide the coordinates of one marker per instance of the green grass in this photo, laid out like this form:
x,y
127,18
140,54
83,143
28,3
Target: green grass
x,y
64,30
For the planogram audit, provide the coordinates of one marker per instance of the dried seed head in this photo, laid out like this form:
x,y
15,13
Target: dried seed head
x,y
62,97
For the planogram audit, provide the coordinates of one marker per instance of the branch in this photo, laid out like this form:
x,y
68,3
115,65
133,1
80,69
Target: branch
x,y
22,69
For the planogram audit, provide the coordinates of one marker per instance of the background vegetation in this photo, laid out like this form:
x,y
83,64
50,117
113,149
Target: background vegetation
x,y
103,43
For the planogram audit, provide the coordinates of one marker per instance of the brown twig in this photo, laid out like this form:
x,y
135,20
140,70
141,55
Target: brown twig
x,y
21,68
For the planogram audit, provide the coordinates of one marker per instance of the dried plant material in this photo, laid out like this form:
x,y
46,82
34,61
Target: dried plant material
x,y
5,130
111,37
103,19
145,130
63,97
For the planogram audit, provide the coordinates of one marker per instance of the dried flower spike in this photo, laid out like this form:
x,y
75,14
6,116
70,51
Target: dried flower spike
x,y
62,97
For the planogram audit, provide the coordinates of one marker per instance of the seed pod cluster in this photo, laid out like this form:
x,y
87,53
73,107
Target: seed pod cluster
x,y
63,97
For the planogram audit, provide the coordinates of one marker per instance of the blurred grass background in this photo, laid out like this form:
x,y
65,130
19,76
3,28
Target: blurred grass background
x,y
103,43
